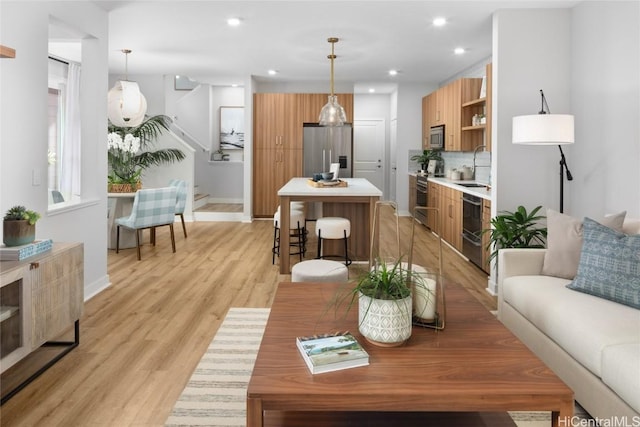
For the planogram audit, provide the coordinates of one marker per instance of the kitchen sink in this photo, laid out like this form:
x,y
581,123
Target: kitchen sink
x,y
473,185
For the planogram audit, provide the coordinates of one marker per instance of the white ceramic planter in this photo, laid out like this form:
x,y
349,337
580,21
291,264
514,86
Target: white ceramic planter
x,y
385,323
424,299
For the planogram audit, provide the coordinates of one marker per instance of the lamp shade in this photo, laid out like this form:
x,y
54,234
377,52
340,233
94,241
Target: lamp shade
x,y
543,129
332,114
126,104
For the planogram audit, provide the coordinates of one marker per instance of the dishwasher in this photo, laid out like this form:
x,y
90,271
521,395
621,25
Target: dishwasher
x,y
472,228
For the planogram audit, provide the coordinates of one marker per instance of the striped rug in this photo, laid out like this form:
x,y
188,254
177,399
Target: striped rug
x,y
216,393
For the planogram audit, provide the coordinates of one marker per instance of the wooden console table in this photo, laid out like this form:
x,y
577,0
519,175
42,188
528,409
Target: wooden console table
x,y
41,297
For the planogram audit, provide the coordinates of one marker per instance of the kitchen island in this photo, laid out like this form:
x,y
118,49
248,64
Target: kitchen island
x,y
356,202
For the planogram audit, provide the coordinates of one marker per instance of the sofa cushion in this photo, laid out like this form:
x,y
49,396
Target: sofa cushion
x,y
609,265
564,242
621,371
580,323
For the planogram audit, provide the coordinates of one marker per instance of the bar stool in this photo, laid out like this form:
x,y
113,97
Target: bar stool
x,y
296,230
333,228
320,270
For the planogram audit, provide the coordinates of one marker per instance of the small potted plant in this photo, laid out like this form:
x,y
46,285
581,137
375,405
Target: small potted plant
x,y
218,155
385,295
19,226
517,229
423,159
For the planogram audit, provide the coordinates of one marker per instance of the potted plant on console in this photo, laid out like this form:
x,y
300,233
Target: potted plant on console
x,y
19,226
129,155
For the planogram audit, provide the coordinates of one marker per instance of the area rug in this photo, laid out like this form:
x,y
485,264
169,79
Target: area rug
x,y
216,392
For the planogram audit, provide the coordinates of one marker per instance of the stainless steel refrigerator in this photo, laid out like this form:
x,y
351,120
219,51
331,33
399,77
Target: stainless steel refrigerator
x,y
323,145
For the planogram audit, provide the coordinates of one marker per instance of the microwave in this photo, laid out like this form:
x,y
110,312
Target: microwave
x,y
436,138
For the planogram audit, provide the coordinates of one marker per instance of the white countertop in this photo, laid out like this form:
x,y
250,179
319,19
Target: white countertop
x,y
482,192
356,187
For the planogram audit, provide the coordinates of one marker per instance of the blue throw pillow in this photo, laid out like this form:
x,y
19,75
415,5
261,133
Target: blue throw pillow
x,y
609,265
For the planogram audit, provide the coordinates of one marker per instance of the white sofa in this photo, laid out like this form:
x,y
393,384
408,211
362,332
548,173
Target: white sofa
x,y
591,343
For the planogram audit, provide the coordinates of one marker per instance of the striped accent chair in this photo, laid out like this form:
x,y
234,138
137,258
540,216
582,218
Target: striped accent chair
x,y
152,208
181,201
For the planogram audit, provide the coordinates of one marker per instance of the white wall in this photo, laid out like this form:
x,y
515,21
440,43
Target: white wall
x,y
23,125
605,79
525,60
409,136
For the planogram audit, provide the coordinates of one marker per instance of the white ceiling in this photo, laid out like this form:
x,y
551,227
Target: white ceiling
x,y
192,38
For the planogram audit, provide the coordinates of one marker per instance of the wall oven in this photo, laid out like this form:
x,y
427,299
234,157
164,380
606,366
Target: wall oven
x,y
421,198
472,228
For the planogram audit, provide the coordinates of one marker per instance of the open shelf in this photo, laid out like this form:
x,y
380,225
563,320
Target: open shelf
x,y
8,311
478,127
478,101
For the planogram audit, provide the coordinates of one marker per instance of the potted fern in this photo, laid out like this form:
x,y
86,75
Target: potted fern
x,y
423,159
19,226
129,153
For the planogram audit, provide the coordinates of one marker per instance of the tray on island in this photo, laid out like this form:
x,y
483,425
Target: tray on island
x,y
327,184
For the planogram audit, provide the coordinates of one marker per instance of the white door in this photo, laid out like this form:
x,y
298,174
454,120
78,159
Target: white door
x,y
392,159
368,151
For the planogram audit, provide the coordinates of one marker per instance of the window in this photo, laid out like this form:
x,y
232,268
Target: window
x,y
64,154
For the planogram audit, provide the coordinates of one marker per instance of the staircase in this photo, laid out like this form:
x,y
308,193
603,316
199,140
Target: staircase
x,y
199,199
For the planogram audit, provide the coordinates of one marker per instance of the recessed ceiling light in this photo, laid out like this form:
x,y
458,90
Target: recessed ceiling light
x,y
233,22
439,22
393,72
459,50
372,90
234,85
272,72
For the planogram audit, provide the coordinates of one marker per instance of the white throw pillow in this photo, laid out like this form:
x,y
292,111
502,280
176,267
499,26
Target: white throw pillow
x,y
564,242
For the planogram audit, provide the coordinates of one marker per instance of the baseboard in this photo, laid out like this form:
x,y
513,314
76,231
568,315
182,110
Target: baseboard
x,y
96,287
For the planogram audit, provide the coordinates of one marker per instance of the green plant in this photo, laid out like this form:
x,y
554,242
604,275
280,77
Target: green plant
x,y
517,229
128,150
427,155
19,213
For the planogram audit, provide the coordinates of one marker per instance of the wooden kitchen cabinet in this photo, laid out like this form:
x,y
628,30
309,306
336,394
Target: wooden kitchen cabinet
x,y
278,120
486,224
312,103
452,216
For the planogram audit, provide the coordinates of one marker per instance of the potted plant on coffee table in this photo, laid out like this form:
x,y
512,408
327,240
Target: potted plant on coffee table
x,y
19,226
384,295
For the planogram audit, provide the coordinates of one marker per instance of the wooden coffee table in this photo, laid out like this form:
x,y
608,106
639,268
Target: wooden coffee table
x,y
473,366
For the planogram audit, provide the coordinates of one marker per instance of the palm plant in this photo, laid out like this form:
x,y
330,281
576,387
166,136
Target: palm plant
x,y
517,229
129,152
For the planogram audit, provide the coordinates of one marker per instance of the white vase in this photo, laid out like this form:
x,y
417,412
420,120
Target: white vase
x,y
385,323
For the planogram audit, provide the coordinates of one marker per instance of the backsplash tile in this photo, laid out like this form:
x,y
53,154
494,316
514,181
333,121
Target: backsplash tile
x,y
458,159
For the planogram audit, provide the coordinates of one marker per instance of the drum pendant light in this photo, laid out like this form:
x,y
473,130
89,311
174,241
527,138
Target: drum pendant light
x,y
126,104
332,114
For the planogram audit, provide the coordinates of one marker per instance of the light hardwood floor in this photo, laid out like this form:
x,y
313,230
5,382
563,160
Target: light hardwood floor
x,y
143,336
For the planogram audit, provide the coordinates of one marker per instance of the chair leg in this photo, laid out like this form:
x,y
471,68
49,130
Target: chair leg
x,y
138,243
276,248
319,253
173,239
300,242
118,239
152,236
184,227
347,261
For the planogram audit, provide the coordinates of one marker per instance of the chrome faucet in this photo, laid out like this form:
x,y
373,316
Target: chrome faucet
x,y
475,151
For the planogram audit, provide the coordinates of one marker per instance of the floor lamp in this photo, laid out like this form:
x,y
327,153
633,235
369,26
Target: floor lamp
x,y
545,128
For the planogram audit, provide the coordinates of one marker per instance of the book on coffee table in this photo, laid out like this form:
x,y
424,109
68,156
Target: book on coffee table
x,y
331,352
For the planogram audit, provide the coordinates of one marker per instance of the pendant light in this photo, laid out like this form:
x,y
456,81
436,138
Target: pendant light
x,y
126,104
332,114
